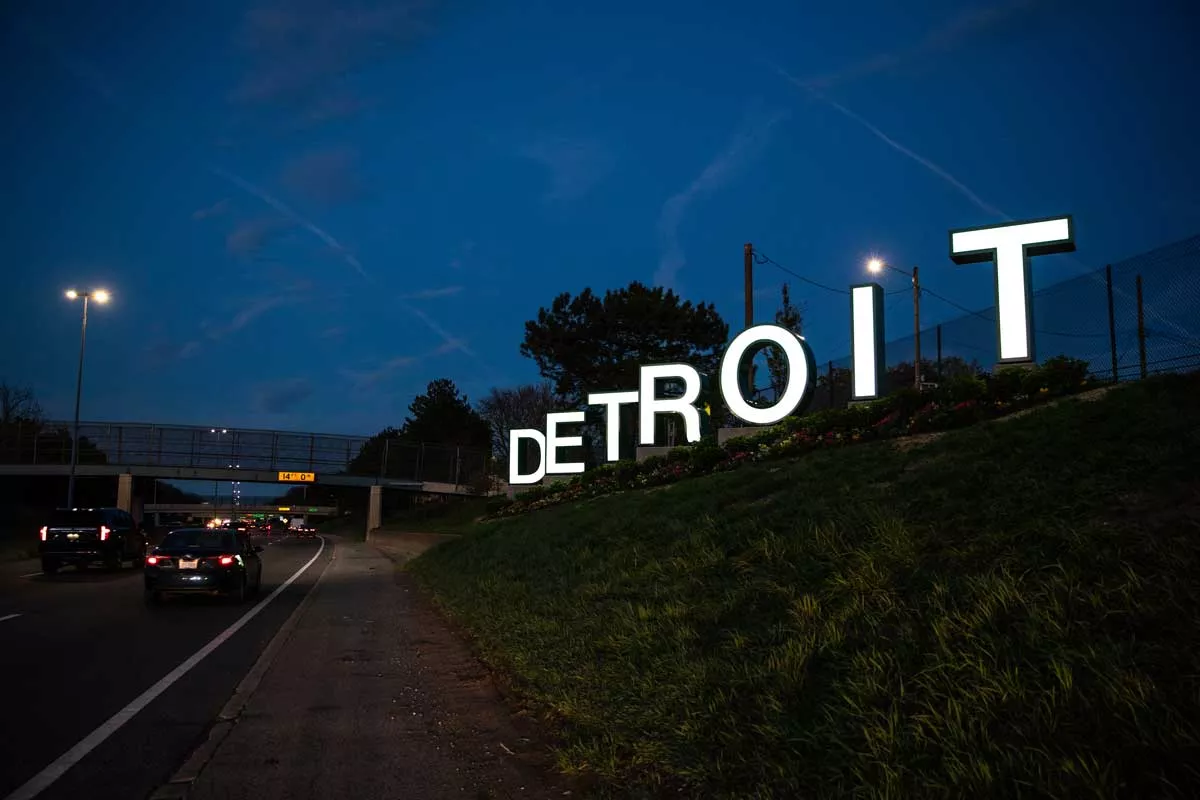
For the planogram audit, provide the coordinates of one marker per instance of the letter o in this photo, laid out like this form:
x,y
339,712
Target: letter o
x,y
800,371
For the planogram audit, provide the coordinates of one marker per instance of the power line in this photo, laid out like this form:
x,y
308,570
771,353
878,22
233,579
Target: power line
x,y
993,319
762,258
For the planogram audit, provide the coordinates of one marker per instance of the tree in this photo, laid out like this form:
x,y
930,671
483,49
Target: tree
x,y
790,317
900,376
17,404
588,344
20,423
369,459
444,416
508,409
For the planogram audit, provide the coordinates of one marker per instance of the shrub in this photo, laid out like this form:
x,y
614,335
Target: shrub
x,y
961,401
963,388
497,504
1007,383
1062,374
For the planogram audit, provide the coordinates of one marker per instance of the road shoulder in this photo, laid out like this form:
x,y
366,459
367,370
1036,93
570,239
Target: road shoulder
x,y
373,695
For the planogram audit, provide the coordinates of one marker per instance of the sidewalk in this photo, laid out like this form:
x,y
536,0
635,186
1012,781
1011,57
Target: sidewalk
x,y
372,697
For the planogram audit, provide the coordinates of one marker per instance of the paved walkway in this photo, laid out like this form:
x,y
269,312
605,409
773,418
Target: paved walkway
x,y
371,696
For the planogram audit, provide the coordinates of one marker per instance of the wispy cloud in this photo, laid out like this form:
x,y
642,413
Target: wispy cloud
x,y
449,340
366,379
325,176
162,353
428,294
297,218
280,397
250,236
464,254
302,54
215,210
746,145
575,165
371,378
941,173
336,246
967,26
250,312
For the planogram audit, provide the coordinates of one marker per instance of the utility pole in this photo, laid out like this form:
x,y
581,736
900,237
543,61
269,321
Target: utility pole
x,y
748,266
916,330
78,394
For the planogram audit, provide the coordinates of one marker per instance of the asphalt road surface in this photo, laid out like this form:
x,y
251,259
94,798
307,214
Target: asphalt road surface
x,y
79,647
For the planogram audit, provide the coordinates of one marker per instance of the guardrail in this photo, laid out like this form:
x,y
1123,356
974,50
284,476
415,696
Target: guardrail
x,y
146,445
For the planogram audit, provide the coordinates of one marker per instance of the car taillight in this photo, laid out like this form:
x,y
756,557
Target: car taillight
x,y
225,561
45,531
104,533
152,560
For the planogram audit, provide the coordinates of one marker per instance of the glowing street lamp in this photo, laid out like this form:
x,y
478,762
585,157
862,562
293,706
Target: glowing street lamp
x,y
101,296
876,266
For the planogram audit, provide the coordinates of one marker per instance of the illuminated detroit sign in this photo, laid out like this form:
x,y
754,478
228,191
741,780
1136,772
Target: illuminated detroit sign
x,y
1009,246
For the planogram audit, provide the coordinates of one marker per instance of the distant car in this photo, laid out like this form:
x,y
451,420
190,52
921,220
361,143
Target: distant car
x,y
306,532
80,536
203,561
237,527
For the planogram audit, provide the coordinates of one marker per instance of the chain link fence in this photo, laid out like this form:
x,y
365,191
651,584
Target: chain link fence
x,y
1128,320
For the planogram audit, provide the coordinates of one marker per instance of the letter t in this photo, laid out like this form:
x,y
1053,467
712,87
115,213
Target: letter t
x,y
1010,246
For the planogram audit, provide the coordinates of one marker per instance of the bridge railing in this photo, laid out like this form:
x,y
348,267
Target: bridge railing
x,y
130,444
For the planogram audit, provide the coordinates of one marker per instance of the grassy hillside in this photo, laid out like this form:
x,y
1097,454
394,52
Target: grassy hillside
x,y
1005,610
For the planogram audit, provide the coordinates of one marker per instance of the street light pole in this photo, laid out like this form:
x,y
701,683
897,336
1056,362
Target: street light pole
x,y
101,296
916,330
78,395
877,265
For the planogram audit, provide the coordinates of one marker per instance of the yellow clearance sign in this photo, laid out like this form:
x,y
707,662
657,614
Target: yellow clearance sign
x,y
297,477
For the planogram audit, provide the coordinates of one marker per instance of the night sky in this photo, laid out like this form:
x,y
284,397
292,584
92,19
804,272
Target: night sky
x,y
308,211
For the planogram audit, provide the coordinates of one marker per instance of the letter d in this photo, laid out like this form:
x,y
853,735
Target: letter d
x,y
515,478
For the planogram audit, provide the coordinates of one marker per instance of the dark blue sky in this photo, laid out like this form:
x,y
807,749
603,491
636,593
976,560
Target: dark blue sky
x,y
305,214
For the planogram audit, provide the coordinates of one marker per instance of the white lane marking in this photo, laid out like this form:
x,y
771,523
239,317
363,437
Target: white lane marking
x,y
43,780
9,616
31,575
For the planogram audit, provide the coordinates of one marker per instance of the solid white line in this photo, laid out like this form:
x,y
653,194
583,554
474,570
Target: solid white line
x,y
31,575
9,616
42,781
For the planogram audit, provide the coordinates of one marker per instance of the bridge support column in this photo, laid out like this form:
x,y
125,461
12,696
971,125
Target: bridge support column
x,y
375,509
125,492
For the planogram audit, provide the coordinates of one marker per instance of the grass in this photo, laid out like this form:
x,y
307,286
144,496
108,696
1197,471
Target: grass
x,y
1008,610
18,539
16,549
352,528
454,515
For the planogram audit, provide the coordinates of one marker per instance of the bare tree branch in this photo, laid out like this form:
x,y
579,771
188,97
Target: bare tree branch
x,y
18,404
509,409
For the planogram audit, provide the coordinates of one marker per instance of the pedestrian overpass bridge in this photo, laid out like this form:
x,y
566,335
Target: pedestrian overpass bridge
x,y
192,452
208,509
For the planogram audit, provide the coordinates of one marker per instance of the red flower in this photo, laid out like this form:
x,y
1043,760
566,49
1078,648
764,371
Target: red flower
x,y
888,420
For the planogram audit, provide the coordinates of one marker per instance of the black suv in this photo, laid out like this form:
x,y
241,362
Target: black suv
x,y
80,536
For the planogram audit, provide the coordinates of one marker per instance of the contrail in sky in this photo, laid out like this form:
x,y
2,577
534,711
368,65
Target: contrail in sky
x,y
295,216
963,189
454,342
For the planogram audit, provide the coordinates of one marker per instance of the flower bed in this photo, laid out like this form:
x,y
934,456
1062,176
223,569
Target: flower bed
x,y
955,404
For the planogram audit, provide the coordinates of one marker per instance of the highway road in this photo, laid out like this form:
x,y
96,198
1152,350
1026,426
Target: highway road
x,y
78,648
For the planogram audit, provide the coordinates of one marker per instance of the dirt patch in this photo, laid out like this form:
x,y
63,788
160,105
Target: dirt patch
x,y
1090,396
476,705
403,546
904,443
